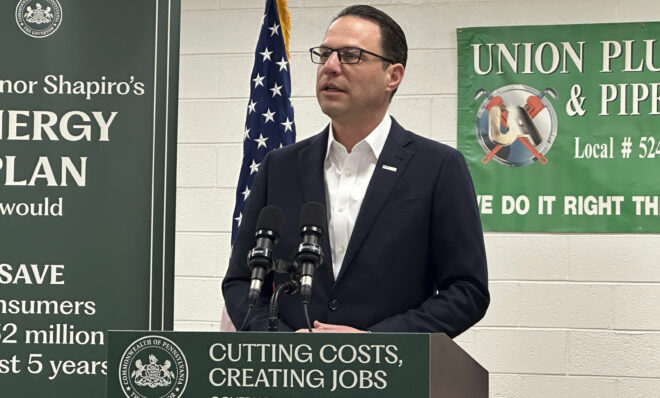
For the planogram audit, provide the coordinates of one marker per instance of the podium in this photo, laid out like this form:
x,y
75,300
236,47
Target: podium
x,y
144,364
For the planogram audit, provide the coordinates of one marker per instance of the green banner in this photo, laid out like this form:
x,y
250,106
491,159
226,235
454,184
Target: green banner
x,y
559,126
88,100
284,365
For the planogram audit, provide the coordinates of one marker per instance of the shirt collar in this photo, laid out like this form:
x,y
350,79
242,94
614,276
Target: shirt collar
x,y
375,140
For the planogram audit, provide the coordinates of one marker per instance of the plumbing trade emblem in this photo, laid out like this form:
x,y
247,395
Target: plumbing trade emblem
x,y
516,124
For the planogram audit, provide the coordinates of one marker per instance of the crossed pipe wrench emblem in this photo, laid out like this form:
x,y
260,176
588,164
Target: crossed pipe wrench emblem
x,y
506,127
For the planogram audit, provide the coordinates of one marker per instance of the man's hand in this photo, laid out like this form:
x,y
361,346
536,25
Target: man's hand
x,y
329,328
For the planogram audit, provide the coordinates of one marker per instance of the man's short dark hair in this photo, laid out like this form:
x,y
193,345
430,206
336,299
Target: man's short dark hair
x,y
392,38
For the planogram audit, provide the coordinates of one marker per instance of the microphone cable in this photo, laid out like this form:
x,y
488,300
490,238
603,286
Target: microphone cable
x,y
289,287
305,311
247,315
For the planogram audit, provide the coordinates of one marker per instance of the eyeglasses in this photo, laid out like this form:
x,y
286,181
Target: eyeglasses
x,y
346,55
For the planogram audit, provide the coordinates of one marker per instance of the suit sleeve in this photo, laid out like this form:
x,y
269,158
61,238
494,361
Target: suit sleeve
x,y
236,284
457,257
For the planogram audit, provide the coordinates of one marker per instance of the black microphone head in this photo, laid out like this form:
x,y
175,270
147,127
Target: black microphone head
x,y
312,214
271,218
310,255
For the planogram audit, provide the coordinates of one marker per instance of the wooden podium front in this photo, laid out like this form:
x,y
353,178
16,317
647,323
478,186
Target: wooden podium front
x,y
144,364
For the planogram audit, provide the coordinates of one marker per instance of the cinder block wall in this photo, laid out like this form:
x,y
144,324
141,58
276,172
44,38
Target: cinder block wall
x,y
572,315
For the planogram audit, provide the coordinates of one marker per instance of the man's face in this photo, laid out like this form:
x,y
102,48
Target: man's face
x,y
349,92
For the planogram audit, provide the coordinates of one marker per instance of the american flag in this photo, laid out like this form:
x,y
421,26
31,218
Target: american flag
x,y
269,122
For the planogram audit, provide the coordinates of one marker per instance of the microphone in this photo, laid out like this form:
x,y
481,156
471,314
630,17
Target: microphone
x,y
260,259
309,255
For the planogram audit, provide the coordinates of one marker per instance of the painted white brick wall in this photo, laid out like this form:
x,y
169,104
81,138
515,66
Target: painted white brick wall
x,y
571,315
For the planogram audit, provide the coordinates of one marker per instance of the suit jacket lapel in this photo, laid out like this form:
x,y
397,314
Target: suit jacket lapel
x,y
395,155
312,180
310,163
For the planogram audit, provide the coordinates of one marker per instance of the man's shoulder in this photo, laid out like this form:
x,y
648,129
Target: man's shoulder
x,y
424,146
295,148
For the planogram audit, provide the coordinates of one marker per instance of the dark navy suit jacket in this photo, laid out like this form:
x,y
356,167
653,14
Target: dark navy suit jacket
x,y
415,261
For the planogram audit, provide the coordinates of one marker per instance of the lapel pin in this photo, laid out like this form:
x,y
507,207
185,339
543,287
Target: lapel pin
x,y
390,168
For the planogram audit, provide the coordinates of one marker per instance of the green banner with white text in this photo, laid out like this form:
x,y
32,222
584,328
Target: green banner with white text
x,y
559,126
88,115
275,365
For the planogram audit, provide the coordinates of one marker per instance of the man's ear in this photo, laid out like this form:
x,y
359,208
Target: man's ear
x,y
395,75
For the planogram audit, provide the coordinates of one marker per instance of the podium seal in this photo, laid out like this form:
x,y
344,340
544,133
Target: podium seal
x,y
153,367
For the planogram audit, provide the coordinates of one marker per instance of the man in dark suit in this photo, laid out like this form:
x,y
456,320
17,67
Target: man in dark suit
x,y
403,244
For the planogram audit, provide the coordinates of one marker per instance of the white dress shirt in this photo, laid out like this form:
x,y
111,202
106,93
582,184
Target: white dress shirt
x,y
347,176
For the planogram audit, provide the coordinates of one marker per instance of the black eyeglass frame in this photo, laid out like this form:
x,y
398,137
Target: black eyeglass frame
x,y
337,50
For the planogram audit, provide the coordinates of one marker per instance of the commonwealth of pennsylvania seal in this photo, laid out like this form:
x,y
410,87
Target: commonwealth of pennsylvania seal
x,y
38,18
153,367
